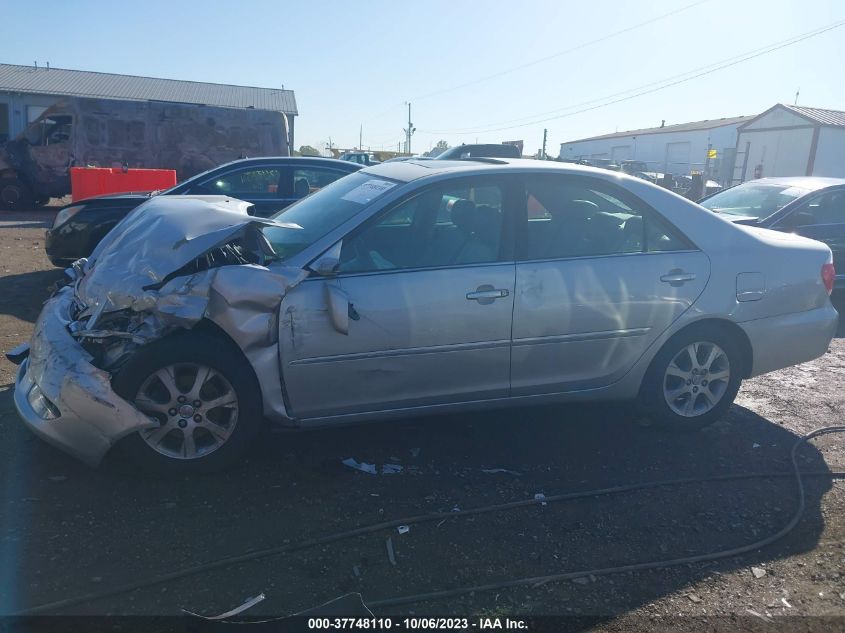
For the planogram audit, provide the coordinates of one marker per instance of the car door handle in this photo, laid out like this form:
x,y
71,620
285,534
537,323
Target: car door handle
x,y
487,294
677,277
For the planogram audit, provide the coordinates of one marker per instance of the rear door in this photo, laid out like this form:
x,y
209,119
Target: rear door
x,y
599,277
419,313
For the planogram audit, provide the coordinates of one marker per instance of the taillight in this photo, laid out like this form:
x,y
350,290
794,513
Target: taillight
x,y
828,276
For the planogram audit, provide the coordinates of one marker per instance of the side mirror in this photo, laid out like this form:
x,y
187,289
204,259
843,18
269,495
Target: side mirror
x,y
327,264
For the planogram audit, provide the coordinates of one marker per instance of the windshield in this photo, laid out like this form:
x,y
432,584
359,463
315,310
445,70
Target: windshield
x,y
323,211
753,200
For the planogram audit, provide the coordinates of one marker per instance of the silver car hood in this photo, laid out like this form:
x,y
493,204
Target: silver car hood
x,y
157,239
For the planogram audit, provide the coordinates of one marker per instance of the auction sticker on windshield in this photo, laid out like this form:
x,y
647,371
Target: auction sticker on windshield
x,y
362,194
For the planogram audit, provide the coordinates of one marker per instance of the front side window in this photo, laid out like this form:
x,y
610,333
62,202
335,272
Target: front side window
x,y
828,208
259,182
452,224
571,217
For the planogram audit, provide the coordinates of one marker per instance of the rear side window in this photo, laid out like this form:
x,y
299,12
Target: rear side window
x,y
579,217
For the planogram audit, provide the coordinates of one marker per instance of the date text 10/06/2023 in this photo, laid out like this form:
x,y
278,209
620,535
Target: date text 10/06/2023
x,y
418,624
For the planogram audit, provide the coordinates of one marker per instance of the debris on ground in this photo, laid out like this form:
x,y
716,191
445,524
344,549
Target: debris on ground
x,y
581,580
758,572
765,618
391,469
250,602
540,497
493,471
693,598
364,467
785,603
403,529
390,555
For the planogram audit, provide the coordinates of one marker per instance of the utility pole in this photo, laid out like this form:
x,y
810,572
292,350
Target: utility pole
x,y
329,145
409,131
361,137
797,92
545,133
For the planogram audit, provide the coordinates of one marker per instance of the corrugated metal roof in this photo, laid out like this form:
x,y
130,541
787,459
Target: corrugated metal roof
x,y
820,115
83,83
679,127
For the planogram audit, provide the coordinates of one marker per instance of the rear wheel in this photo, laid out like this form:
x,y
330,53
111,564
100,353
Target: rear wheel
x,y
15,195
205,398
693,380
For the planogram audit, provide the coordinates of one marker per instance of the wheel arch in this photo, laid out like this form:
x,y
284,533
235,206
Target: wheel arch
x,y
744,348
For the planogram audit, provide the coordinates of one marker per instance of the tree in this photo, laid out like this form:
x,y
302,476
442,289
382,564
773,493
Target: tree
x,y
307,150
438,149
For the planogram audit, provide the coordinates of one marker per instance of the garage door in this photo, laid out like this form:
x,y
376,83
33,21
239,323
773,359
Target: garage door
x,y
677,158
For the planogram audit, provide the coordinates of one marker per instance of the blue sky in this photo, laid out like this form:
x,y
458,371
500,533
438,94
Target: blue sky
x,y
354,63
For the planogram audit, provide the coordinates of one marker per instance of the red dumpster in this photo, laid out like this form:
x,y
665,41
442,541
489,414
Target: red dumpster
x,y
96,181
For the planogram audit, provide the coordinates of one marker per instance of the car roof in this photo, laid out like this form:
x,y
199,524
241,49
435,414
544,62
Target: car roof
x,y
262,160
804,182
409,170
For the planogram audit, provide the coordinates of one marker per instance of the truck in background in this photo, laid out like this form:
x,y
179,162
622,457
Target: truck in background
x,y
35,166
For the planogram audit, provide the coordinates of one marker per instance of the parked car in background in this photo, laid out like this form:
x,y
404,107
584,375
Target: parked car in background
x,y
491,150
361,158
809,206
270,184
633,167
412,288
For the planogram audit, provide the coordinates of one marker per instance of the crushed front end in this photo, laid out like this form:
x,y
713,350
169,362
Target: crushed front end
x,y
63,397
168,266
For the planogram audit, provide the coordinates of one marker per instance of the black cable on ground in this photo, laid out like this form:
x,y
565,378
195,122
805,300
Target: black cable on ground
x,y
426,518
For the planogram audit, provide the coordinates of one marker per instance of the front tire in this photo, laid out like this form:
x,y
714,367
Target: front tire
x,y
205,396
693,380
15,195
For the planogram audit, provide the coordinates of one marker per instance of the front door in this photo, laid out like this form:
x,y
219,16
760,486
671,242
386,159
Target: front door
x,y
599,277
418,314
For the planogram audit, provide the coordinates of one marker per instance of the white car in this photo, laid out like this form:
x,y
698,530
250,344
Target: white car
x,y
408,288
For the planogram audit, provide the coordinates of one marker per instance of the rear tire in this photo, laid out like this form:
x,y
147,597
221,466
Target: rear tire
x,y
15,195
204,394
693,380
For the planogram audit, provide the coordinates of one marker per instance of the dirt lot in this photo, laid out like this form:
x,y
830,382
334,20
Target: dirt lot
x,y
68,530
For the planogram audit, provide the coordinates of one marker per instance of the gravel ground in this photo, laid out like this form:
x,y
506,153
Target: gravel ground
x,y
69,530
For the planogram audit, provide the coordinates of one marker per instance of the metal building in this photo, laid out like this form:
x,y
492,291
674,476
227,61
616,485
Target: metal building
x,y
674,149
788,140
27,91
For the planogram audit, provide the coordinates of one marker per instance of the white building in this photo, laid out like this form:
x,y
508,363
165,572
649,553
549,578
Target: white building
x,y
790,140
675,149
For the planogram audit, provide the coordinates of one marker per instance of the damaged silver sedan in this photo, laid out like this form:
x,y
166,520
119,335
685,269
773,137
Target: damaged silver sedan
x,y
411,288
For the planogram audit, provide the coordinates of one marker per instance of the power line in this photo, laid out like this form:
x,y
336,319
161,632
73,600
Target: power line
x,y
705,70
599,40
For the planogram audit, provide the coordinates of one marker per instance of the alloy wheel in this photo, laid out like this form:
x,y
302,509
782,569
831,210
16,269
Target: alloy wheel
x,y
196,408
696,379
